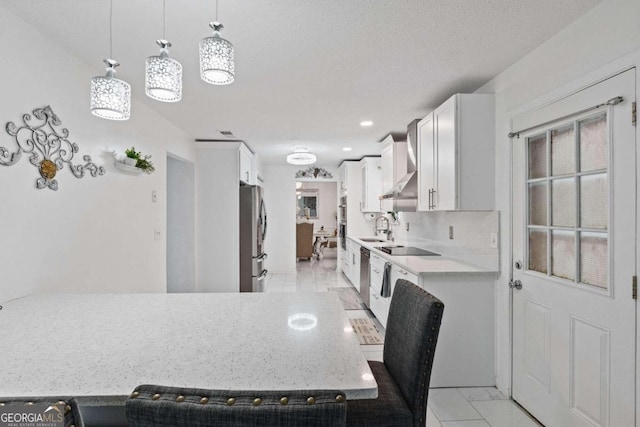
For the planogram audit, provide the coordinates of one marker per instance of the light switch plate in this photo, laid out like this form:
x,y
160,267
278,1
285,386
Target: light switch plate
x,y
157,233
494,240
154,196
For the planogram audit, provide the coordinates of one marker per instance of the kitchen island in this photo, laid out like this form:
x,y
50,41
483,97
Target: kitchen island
x,y
103,345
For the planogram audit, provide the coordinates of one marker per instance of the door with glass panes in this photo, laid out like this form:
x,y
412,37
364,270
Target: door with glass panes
x,y
574,210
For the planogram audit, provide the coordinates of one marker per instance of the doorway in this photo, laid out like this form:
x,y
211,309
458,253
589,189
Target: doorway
x,y
180,225
574,251
316,220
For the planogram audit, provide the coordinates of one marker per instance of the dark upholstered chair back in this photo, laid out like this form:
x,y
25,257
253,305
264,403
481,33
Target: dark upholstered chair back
x,y
410,342
158,406
69,407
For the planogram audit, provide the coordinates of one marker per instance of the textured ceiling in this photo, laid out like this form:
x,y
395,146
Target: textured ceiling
x,y
307,72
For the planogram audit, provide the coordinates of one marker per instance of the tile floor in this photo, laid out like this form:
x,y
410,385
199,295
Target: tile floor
x,y
447,407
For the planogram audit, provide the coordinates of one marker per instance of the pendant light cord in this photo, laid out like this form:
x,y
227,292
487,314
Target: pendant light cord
x,y
111,29
164,19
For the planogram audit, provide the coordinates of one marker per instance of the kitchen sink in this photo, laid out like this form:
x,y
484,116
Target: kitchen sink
x,y
371,239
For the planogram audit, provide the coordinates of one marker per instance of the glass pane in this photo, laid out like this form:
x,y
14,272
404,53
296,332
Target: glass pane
x,y
563,254
563,153
593,259
538,203
593,143
538,156
563,202
538,250
594,203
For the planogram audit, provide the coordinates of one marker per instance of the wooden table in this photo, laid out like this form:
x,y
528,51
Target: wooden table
x,y
106,344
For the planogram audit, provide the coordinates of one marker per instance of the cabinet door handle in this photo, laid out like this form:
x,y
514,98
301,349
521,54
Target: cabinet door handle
x,y
353,259
247,172
376,271
430,195
404,273
434,199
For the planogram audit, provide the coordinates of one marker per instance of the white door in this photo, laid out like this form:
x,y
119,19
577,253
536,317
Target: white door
x,y
574,207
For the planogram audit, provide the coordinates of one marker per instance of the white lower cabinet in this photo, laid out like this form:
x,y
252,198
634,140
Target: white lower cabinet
x,y
379,306
465,350
352,267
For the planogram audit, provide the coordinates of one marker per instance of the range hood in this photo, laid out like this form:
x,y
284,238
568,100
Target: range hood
x,y
405,191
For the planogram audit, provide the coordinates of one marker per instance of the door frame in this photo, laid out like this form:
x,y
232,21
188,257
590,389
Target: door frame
x,y
590,79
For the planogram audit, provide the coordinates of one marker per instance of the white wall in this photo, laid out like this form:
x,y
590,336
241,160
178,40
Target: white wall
x,y
180,225
603,35
327,204
93,234
280,199
218,217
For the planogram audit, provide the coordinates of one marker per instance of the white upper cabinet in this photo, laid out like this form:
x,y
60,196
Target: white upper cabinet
x,y
426,163
371,184
343,178
456,155
394,166
247,166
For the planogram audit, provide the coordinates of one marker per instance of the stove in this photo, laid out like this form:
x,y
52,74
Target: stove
x,y
405,251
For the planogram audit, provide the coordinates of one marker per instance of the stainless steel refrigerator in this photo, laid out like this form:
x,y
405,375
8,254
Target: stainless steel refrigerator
x,y
253,230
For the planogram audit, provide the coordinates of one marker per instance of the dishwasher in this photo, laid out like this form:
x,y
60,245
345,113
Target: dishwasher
x,y
365,256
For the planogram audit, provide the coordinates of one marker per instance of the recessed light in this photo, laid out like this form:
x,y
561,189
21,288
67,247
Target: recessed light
x,y
346,149
366,123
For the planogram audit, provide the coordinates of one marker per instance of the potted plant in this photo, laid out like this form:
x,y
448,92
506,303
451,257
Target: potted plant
x,y
131,157
145,164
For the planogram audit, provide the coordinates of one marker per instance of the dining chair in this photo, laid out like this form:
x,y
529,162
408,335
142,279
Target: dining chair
x,y
304,240
159,406
68,407
403,378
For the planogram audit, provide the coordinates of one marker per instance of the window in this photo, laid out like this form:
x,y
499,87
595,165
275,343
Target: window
x,y
568,201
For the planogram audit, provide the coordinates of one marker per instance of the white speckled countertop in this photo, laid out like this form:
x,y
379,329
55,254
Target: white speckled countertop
x,y
106,344
425,265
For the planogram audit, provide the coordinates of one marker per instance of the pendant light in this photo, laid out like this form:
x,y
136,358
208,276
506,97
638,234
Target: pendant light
x,y
110,97
216,57
163,75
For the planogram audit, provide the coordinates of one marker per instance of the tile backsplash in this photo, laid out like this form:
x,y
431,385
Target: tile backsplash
x,y
471,234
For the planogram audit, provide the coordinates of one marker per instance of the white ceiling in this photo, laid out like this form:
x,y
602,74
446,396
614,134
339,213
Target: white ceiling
x,y
307,72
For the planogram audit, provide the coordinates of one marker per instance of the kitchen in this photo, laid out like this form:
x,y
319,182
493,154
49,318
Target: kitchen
x,y
100,232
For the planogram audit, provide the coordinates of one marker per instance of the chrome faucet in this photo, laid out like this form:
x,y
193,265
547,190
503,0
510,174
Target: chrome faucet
x,y
385,226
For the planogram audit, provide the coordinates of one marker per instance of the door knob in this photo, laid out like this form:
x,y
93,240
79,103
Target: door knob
x,y
515,284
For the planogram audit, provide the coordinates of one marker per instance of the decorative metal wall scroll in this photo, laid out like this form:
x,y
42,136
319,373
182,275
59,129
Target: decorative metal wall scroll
x,y
312,172
49,147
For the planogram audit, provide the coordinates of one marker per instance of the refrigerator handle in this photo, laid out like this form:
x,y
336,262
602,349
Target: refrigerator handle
x,y
260,257
262,275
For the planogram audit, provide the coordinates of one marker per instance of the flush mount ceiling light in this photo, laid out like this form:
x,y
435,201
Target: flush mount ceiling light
x,y
346,149
110,97
366,123
216,57
301,156
163,75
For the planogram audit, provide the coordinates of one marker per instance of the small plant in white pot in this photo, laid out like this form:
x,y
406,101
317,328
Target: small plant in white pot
x,y
131,157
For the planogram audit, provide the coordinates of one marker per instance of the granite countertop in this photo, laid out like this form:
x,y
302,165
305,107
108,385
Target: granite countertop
x,y
425,265
106,344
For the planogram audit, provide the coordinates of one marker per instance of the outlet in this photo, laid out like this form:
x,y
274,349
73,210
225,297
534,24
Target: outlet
x,y
407,227
154,196
494,240
451,232
157,233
